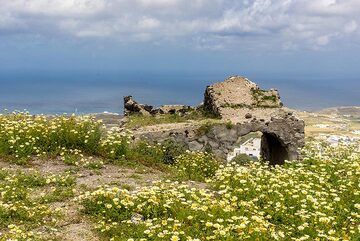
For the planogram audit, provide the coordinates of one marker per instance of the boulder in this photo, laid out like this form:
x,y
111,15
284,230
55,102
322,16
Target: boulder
x,y
248,116
133,107
174,109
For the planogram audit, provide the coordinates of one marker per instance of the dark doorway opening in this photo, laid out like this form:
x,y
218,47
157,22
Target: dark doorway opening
x,y
273,150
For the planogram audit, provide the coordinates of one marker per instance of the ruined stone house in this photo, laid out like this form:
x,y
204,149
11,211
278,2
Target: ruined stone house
x,y
247,107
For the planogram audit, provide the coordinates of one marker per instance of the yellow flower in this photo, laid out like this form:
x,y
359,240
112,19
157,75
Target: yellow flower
x,y
175,238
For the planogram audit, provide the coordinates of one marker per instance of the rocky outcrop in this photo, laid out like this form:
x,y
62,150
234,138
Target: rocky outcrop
x,y
174,109
133,107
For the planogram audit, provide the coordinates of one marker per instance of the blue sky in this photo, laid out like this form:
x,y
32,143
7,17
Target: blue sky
x,y
263,36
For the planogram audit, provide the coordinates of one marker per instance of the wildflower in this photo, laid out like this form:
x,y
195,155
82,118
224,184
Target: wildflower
x,y
175,238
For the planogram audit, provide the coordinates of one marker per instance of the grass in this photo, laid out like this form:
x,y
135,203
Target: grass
x,y
196,166
135,121
249,136
263,99
237,106
21,211
229,125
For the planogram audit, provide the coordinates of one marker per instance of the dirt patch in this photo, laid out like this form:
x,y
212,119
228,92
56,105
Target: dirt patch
x,y
74,226
116,176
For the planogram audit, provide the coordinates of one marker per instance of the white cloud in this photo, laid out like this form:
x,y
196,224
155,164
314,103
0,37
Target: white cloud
x,y
148,23
322,40
292,24
350,27
61,8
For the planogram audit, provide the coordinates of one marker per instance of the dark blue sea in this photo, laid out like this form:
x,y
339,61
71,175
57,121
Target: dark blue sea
x,y
57,92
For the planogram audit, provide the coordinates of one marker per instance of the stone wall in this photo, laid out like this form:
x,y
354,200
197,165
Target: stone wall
x,y
133,107
223,138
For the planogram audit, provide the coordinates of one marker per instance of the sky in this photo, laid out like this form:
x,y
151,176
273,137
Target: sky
x,y
292,37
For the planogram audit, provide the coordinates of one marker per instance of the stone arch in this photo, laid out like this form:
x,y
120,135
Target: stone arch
x,y
273,149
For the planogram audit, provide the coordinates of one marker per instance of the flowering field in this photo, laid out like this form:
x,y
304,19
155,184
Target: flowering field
x,y
318,199
25,206
204,198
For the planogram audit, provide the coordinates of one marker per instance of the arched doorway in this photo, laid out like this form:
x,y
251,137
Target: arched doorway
x,y
273,150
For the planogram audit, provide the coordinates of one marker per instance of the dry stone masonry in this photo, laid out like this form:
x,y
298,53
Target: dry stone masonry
x,y
133,107
237,98
249,109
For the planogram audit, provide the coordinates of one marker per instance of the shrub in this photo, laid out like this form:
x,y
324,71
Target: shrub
x,y
229,125
171,150
243,159
204,129
115,145
196,166
146,154
23,135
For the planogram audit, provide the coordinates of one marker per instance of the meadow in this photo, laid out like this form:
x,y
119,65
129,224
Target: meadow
x,y
197,197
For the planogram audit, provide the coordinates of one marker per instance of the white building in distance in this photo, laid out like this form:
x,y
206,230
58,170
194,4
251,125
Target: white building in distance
x,y
251,148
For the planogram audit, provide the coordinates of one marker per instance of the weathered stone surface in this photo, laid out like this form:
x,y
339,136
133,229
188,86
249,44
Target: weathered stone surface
x,y
248,116
174,109
195,146
132,107
236,97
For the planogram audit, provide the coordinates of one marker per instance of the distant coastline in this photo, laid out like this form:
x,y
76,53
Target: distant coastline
x,y
57,93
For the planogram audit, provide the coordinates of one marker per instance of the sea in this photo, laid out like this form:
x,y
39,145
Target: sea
x,y
82,92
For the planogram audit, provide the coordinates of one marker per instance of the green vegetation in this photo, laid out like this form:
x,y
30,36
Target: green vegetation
x,y
237,106
249,136
76,140
229,125
23,135
243,159
263,99
21,209
138,120
135,121
204,129
196,166
316,199
120,149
